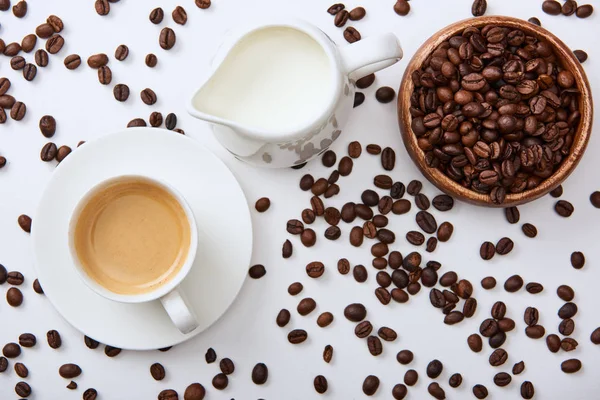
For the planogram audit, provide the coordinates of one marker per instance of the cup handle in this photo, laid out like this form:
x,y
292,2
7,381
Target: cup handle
x,y
370,55
179,311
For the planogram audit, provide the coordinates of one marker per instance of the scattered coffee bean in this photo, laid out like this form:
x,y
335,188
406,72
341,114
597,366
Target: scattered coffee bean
x,y
156,15
502,379
345,166
365,82
227,366
21,370
534,287
14,297
320,384
595,336
151,60
167,38
297,336
513,284
360,273
11,350
436,391
210,356
568,310
121,92
488,283
351,34
283,317
341,18
148,96
203,4
374,149
91,343
29,72
262,204
512,215
584,11
551,7
111,351
168,394
411,377
529,230
480,391
570,366
55,44
102,7
565,292
434,369
17,63
355,312
157,371
370,385
359,98
564,208
577,259
18,111
475,343
195,391
306,306
568,344
20,10
498,357
179,15
69,371
385,94
329,158
402,7
220,381
445,231
260,374
27,340
504,246
531,316
535,331
22,389
257,271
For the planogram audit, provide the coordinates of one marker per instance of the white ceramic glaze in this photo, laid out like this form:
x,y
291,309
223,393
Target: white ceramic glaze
x,y
296,146
169,294
223,255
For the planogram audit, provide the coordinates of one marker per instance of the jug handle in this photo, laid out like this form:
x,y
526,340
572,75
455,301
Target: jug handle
x,y
370,55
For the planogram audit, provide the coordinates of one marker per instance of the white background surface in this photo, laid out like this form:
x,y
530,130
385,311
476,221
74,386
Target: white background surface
x,y
84,109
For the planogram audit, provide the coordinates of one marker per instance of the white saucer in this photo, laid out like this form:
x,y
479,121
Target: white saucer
x,y
224,233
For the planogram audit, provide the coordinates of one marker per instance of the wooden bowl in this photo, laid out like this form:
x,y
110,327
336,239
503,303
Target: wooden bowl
x,y
454,189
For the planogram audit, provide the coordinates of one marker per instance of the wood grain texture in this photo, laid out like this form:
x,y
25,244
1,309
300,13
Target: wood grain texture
x,y
454,189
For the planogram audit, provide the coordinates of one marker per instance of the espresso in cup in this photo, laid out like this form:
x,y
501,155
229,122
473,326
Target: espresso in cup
x,y
132,236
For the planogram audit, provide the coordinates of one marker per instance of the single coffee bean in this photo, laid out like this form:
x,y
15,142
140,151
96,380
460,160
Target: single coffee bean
x,y
14,297
527,390
15,277
577,259
341,18
306,182
308,237
434,369
121,52
151,60
504,246
18,111
47,126
534,288
29,72
426,222
531,316
226,365
262,204
488,328
4,5
370,385
345,166
595,336
564,208
69,371
21,370
220,381
343,266
355,312
297,336
283,317
22,389
91,343
518,368
551,7
351,34
535,331
102,7
260,374
357,13
445,231
210,356
104,75
568,310
581,55
502,379
584,11
97,60
385,94
167,38
512,214
55,43
306,306
17,63
415,238
203,4
506,325
360,273
405,357
453,317
436,391
27,340
464,289
364,83
48,152
329,158
411,377
497,339
475,343
320,384
155,119
121,92
257,271
356,236
478,8
565,292
336,8
363,329
148,96
387,334
399,391
20,10
28,43
513,284
498,357
402,7
11,350
195,391
566,327
287,249
383,295
179,15
480,391
374,149
111,351
570,366
72,61
529,230
168,394
294,227
156,15
325,319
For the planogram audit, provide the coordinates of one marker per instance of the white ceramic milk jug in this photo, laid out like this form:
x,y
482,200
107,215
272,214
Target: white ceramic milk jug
x,y
280,93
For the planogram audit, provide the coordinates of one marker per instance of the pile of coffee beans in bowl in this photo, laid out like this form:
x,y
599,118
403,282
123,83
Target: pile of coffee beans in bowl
x,y
494,110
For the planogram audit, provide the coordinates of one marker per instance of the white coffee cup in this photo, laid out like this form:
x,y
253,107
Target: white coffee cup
x,y
170,294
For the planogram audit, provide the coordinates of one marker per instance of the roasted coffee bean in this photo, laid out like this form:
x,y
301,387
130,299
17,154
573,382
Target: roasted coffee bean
x,y
336,8
415,238
354,149
498,310
506,325
388,159
22,389
403,206
370,198
294,227
195,391
513,284
478,8
584,11
27,340
386,236
14,297
15,277
155,119
497,339
29,72
357,13
308,237
156,15
387,334
48,152
325,319
512,214
102,7
429,277
360,273
17,63
595,336
148,96
385,95
570,366
11,350
434,369
7,101
47,126
260,374
443,202
411,377
69,371
306,182
329,158
568,310
4,86
320,384
529,230
257,271
167,38
383,295
502,379
169,394
453,317
28,43
531,316
469,307
226,365
20,10
363,329
315,269
262,204
426,221
287,249
356,236
21,370
383,181
436,391
518,368
351,34
97,60
343,266
498,357
448,279
373,149
4,5
220,381
504,246
431,245
565,292
111,351
179,15
480,391
402,7
535,331
306,306
297,336
364,83
55,43
121,92
577,259
72,61
210,356
203,4
370,385
464,289
581,55
91,343
488,327
18,111
345,166
487,250
564,208
355,312
422,201
404,357
283,317
455,380
399,391
445,231
121,52
341,18
104,75
566,327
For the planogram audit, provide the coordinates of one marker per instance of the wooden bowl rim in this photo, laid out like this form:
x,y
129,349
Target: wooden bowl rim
x,y
447,185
